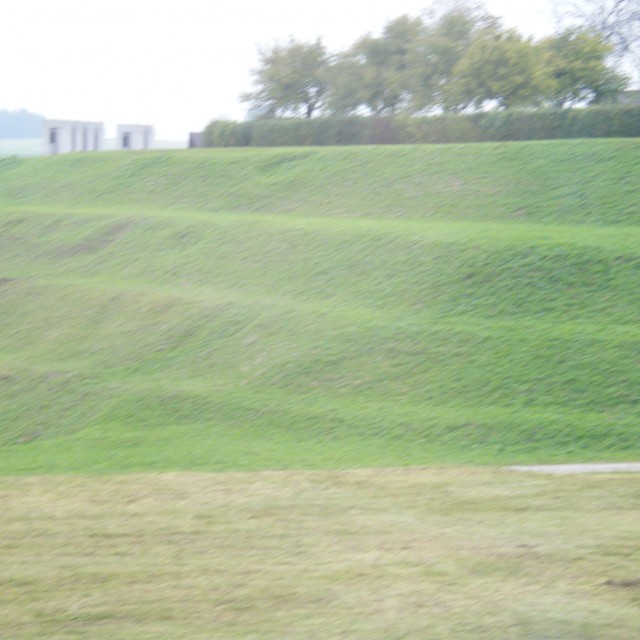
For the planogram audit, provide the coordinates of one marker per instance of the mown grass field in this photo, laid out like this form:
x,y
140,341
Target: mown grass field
x,y
320,308
380,554
304,323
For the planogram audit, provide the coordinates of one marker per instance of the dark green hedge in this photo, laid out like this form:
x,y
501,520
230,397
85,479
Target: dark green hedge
x,y
539,124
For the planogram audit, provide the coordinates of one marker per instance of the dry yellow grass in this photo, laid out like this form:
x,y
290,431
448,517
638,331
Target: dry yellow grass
x,y
380,554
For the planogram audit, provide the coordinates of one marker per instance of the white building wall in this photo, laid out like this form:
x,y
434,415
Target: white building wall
x,y
68,136
134,137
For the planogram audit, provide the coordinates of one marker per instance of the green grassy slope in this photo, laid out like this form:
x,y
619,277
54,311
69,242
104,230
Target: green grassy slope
x,y
243,309
564,182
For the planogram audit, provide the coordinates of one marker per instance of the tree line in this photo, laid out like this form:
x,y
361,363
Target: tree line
x,y
20,124
458,60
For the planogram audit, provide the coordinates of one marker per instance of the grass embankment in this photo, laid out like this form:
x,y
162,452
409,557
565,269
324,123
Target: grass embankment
x,y
384,554
320,308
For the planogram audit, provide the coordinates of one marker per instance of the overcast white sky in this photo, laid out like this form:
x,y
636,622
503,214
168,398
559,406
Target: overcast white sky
x,y
177,65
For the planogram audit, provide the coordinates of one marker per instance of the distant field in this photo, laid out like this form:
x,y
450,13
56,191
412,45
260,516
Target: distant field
x,y
21,146
379,554
26,147
320,308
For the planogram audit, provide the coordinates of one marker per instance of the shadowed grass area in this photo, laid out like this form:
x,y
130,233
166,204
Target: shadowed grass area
x,y
224,310
381,554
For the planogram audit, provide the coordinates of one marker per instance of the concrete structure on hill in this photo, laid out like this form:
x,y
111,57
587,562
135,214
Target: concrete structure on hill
x,y
196,139
69,136
134,137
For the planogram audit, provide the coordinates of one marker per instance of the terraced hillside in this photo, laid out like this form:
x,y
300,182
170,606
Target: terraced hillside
x,y
320,308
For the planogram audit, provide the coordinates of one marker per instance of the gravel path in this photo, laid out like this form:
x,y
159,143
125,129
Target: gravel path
x,y
565,469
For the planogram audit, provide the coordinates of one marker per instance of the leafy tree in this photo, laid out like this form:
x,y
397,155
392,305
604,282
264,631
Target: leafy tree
x,y
291,79
499,67
576,68
376,72
20,124
455,58
446,38
346,90
616,21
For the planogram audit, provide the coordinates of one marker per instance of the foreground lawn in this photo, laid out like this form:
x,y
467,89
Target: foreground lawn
x,y
440,553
